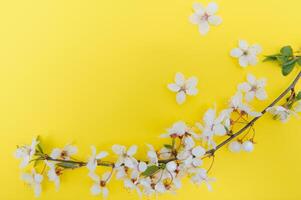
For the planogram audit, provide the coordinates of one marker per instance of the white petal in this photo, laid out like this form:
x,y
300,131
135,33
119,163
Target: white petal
x,y
106,176
142,166
195,19
179,79
251,79
197,162
219,130
211,8
245,87
197,7
243,45
192,91
25,161
95,189
236,52
132,150
38,178
118,149
261,94
101,155
203,27
171,166
105,192
173,87
37,190
198,151
252,59
94,176
181,97
27,178
129,162
93,149
215,20
250,96
209,117
191,82
243,61
71,149
255,49
56,153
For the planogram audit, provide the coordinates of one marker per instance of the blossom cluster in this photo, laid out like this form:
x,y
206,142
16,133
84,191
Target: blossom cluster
x,y
164,167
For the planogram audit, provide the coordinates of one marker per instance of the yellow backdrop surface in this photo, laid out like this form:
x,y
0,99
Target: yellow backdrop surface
x,y
95,72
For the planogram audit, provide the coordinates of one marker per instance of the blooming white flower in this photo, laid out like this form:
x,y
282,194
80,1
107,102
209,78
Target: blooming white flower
x,y
26,152
246,54
235,146
236,104
34,179
92,162
213,125
192,158
100,184
54,174
125,156
178,129
253,88
248,146
183,87
64,153
205,16
280,112
201,176
132,183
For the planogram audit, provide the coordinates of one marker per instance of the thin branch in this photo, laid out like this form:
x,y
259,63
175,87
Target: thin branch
x,y
251,123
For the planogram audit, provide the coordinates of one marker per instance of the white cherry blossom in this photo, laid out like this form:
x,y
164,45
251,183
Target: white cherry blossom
x,y
54,173
178,129
192,158
205,16
152,155
253,88
236,104
92,161
125,156
201,176
33,179
183,87
100,184
246,54
280,112
64,153
26,153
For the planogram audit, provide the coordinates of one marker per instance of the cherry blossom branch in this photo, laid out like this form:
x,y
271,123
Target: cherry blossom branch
x,y
251,123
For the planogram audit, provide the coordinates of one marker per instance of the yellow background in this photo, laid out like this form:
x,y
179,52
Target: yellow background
x,y
95,72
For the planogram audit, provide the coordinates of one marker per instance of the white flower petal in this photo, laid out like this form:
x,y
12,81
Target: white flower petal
x,y
192,91
234,146
95,189
261,94
171,166
173,87
101,155
197,7
197,162
37,190
204,27
132,150
56,153
105,192
195,19
198,151
118,149
252,60
243,45
181,97
251,79
219,130
211,8
142,166
215,20
250,96
236,52
179,79
243,61
255,49
245,87
191,82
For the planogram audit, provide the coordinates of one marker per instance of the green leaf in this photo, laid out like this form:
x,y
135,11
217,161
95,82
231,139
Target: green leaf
x,y
151,170
168,146
287,68
287,51
298,96
68,165
40,148
271,57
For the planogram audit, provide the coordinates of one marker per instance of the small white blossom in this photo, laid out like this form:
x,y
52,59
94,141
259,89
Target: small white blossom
x,y
235,146
132,183
178,129
192,158
152,155
201,176
205,16
280,112
248,146
26,152
92,162
183,87
253,88
100,184
236,104
125,156
246,54
64,153
34,180
54,174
